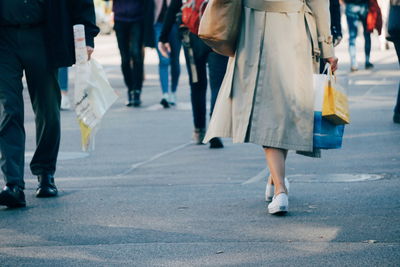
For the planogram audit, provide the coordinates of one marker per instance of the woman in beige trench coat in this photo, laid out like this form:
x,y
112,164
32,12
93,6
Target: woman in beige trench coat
x,y
267,94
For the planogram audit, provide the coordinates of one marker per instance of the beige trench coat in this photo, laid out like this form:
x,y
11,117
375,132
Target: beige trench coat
x,y
267,96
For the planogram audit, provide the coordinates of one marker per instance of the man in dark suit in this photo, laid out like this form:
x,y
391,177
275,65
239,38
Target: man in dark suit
x,y
36,37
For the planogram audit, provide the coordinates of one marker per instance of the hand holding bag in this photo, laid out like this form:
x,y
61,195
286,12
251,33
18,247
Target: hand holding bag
x,y
220,25
335,106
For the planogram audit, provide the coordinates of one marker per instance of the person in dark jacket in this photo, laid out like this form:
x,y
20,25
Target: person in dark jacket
x,y
394,36
131,19
336,25
198,55
36,37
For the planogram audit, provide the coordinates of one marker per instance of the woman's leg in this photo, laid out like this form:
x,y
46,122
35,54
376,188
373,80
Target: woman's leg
x,y
276,162
352,22
163,64
175,42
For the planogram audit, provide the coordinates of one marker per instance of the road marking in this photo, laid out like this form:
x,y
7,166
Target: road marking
x,y
262,175
371,134
159,155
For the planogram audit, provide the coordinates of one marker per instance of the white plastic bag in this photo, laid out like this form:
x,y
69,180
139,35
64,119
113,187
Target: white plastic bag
x,y
93,97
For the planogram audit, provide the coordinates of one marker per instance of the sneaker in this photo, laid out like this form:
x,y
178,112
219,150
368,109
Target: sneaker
x,y
216,142
270,189
369,65
279,204
136,98
353,69
198,135
164,103
396,117
172,99
65,103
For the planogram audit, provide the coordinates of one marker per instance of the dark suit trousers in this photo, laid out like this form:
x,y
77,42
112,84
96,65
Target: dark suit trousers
x,y
23,49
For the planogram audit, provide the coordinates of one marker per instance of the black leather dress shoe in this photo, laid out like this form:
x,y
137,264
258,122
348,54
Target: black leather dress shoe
x,y
12,197
46,187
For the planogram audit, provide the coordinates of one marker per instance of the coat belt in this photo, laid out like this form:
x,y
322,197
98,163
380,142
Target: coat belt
x,y
289,6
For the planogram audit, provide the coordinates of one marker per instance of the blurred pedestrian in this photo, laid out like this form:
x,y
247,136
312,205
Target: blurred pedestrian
x,y
266,101
63,83
36,37
384,5
198,56
394,36
168,96
336,25
356,12
130,22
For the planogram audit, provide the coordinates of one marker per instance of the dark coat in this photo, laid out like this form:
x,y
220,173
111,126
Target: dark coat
x,y
61,15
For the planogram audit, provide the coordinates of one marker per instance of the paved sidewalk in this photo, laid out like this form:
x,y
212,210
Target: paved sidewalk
x,y
147,196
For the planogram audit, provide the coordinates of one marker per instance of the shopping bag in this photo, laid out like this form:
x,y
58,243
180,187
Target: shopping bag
x,y
326,135
93,94
93,97
220,25
335,103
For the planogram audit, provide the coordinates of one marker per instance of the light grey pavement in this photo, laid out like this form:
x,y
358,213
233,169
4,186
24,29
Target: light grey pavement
x,y
147,196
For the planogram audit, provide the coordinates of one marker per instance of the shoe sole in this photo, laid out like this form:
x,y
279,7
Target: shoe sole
x,y
10,202
278,210
43,194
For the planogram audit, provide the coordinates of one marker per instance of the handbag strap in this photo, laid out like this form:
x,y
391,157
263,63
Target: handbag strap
x,y
288,6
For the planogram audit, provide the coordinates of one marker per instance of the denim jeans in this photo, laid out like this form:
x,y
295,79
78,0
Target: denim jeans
x,y
63,78
203,56
130,44
397,46
356,13
172,61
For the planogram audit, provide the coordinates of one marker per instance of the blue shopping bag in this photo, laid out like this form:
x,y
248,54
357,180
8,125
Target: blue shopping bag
x,y
326,135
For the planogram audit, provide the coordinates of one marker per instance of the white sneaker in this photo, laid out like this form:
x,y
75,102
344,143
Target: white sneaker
x,y
172,99
270,189
65,104
279,204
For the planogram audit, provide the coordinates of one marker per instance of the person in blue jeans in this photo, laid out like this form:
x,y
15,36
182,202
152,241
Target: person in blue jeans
x,y
168,96
356,12
63,83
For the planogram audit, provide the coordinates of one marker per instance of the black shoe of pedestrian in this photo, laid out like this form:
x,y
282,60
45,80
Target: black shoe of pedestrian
x,y
216,143
396,117
46,187
12,197
136,98
129,102
164,103
369,65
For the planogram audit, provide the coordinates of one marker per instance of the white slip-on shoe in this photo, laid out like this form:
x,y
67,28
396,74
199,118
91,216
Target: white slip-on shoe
x,y
269,189
279,204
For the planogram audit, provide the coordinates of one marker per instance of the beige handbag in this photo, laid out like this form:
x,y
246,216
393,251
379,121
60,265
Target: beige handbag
x,y
220,25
